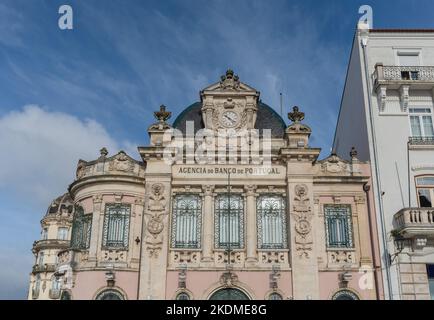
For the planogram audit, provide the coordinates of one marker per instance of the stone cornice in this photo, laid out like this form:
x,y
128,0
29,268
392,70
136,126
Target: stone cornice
x,y
107,178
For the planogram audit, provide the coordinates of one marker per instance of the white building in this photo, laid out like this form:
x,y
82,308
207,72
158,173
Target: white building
x,y
387,115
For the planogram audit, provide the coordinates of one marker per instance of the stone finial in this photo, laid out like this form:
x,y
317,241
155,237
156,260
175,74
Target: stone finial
x,y
353,153
162,115
296,115
103,152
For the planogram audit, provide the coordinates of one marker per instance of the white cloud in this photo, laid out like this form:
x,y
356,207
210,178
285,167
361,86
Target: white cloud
x,y
41,150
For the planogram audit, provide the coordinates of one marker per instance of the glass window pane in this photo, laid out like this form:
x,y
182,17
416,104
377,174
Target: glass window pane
x,y
271,223
415,126
338,222
425,181
229,220
427,126
186,224
81,229
424,198
116,226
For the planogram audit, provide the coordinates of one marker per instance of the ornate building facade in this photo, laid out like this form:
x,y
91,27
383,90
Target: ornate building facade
x,y
228,202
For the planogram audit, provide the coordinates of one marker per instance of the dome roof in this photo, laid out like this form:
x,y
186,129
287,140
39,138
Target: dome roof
x,y
266,118
60,205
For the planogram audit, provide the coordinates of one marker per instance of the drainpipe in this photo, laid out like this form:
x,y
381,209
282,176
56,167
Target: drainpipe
x,y
364,44
377,265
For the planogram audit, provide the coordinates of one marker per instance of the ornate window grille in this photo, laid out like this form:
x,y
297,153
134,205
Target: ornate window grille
x,y
275,296
110,295
183,296
116,226
187,220
345,295
229,221
271,217
339,227
81,228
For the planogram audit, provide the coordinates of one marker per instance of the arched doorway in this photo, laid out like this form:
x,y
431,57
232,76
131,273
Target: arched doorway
x,y
229,294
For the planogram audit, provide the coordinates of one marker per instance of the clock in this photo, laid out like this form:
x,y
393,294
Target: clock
x,y
229,119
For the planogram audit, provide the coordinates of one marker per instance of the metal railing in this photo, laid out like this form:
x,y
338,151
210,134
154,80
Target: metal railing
x,y
44,268
54,293
421,140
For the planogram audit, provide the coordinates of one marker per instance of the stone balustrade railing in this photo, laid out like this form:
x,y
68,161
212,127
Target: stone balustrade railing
x,y
403,73
415,217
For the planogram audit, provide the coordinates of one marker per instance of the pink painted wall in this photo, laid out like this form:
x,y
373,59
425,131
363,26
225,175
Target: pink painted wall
x,y
88,283
255,283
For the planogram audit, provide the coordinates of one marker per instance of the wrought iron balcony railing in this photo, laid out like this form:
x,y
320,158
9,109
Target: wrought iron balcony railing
x,y
403,73
412,222
44,268
421,141
54,293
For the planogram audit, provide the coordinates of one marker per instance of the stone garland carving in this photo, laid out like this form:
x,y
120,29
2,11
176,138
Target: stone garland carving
x,y
302,216
155,225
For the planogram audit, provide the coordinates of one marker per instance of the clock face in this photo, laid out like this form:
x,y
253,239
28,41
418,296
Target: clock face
x,y
229,119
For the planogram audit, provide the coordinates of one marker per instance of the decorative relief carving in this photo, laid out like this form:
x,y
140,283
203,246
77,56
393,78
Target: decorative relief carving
x,y
274,257
185,256
155,224
236,257
334,164
64,257
341,257
302,215
114,255
121,162
228,279
230,81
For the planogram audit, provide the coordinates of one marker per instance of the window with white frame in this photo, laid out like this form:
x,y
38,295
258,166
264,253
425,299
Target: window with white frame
x,y
56,283
425,191
421,122
229,221
186,221
270,211
116,226
62,233
339,227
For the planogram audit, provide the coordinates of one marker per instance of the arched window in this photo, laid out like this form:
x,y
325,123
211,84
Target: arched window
x,y
271,217
81,228
186,223
345,295
425,191
116,226
275,296
339,227
229,221
229,294
182,296
110,294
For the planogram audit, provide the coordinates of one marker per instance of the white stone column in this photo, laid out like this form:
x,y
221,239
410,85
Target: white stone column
x,y
251,231
96,217
208,218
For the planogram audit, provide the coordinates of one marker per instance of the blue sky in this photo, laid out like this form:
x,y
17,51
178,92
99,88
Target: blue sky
x,y
66,94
